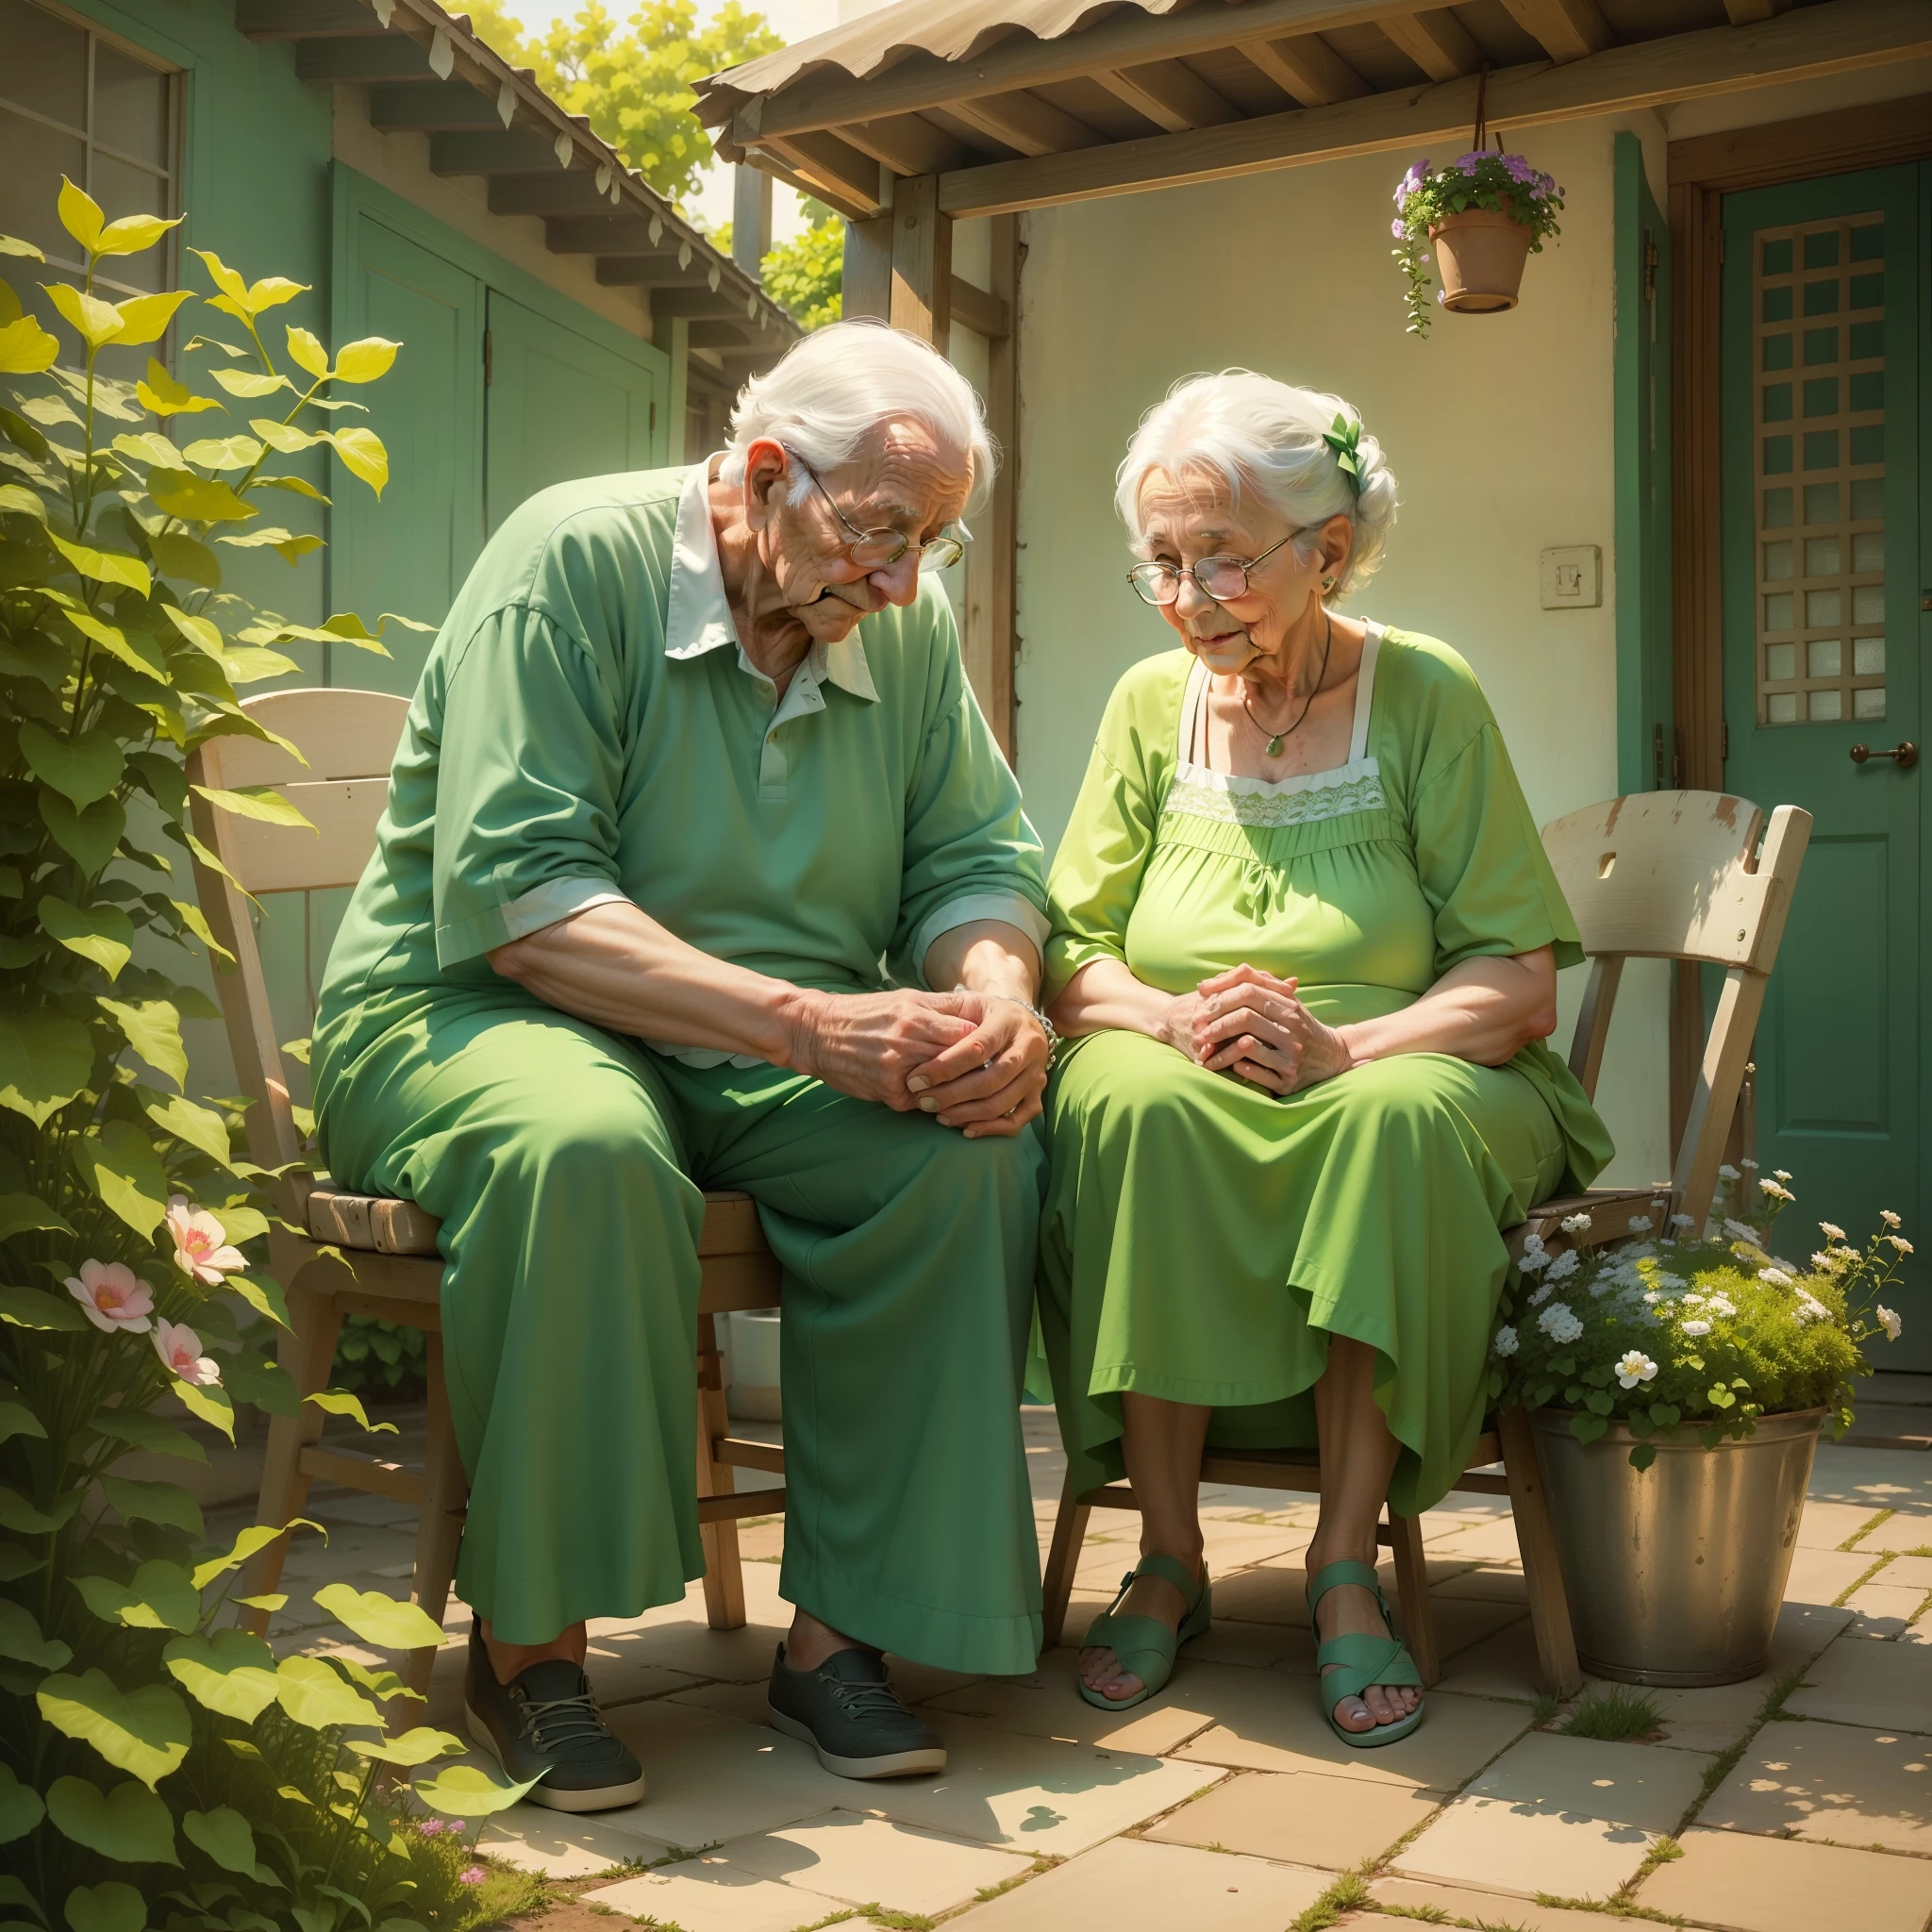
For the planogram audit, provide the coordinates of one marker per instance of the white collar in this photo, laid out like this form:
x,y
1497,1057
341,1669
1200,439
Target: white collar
x,y
698,618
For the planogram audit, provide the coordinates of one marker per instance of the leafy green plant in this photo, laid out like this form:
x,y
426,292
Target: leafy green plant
x,y
382,1358
157,1765
1428,195
1709,1333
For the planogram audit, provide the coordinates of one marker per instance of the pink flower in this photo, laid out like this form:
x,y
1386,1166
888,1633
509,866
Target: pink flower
x,y
201,1242
430,1827
471,1874
179,1346
112,1298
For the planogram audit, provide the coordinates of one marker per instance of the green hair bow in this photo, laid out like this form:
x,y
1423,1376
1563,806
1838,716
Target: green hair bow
x,y
1345,440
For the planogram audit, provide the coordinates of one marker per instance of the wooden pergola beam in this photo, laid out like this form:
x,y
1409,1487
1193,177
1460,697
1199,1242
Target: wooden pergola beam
x,y
1128,39
922,298
1307,68
1564,30
1838,38
1026,122
361,59
906,144
492,150
1174,97
1436,42
834,170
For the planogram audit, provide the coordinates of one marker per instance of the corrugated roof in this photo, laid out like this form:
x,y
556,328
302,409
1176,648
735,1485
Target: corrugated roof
x,y
955,31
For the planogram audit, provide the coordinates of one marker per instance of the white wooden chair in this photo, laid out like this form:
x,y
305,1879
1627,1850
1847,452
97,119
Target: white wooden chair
x,y
1658,875
393,1270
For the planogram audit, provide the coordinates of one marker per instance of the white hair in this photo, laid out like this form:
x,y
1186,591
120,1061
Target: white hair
x,y
845,379
1264,435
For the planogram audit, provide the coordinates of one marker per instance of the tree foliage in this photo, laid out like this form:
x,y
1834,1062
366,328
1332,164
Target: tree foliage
x,y
807,274
634,82
158,1766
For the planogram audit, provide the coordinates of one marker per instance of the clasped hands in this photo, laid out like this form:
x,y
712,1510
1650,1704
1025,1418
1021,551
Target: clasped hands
x,y
1249,1024
971,1060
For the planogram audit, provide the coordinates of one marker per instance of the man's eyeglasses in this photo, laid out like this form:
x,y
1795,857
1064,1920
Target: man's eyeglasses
x,y
880,549
1222,578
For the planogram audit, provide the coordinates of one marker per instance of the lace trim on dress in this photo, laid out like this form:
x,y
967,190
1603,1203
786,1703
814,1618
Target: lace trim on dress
x,y
1198,792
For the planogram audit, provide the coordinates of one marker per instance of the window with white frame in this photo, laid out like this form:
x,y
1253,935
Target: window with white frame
x,y
74,102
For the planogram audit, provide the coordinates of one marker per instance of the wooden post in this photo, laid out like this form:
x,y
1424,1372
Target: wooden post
x,y
989,642
921,301
869,269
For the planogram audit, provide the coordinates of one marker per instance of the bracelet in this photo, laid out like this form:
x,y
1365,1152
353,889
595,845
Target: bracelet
x,y
1046,1025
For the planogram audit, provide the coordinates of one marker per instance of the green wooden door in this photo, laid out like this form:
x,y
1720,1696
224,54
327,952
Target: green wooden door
x,y
1824,451
560,407
410,552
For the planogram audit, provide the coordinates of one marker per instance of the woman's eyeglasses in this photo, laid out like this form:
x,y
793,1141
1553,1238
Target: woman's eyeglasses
x,y
1222,579
880,549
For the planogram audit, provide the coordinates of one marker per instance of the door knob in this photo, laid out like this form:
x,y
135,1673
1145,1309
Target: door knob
x,y
1905,755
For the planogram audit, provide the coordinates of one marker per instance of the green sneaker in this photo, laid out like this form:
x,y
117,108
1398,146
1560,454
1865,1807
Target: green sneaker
x,y
849,1713
546,1725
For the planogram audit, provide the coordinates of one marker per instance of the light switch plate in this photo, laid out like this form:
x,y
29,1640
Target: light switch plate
x,y
1572,577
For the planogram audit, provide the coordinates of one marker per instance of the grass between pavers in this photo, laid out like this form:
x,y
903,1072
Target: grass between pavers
x,y
1866,1528
1614,1715
1864,1576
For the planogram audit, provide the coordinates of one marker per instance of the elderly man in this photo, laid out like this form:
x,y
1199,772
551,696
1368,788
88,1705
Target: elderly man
x,y
694,806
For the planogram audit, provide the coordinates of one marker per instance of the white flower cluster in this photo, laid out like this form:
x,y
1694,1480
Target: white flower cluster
x,y
1890,1218
1560,1323
1776,1276
1683,1221
1535,1255
1811,1309
1728,1172
1639,1223
1575,1224
1635,1367
1777,1191
1832,1230
1741,1231
1504,1343
1564,1266
1900,1243
1888,1321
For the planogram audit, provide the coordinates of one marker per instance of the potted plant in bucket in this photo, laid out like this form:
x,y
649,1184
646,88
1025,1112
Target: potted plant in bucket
x,y
1484,215
1677,1387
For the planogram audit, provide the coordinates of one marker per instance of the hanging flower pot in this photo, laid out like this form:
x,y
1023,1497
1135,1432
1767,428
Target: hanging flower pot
x,y
1482,216
1479,257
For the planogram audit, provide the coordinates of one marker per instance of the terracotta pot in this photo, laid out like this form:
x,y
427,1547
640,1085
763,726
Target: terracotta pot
x,y
1480,258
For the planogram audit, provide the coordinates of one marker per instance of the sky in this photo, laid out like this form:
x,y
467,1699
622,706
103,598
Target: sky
x,y
798,19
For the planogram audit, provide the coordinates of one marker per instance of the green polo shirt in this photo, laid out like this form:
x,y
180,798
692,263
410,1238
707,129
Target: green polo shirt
x,y
588,727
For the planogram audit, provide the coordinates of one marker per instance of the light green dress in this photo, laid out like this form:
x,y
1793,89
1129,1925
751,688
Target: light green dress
x,y
1203,1238
587,728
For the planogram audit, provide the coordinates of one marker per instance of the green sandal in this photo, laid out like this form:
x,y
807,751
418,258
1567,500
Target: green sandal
x,y
1144,1645
1360,1659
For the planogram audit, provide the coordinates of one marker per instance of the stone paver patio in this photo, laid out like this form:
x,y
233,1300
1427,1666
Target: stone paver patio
x,y
1799,1802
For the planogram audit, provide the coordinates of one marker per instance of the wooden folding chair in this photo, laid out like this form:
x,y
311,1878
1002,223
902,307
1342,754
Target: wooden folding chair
x,y
392,1265
1658,875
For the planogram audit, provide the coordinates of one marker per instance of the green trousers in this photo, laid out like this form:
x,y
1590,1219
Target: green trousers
x,y
567,1167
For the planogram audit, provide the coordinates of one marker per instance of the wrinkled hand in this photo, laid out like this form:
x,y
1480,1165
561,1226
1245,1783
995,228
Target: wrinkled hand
x,y
989,1082
1252,1024
868,1044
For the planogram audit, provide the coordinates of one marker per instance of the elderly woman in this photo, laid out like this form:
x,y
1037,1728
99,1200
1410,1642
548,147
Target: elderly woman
x,y
692,756
1307,939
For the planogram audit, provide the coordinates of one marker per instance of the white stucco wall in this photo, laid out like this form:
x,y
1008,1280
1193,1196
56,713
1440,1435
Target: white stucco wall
x,y
1499,429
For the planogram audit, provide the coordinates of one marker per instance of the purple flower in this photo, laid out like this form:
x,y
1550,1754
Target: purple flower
x,y
430,1827
1518,168
1411,182
1468,162
1396,229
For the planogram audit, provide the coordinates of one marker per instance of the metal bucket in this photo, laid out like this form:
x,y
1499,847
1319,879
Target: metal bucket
x,y
1675,1572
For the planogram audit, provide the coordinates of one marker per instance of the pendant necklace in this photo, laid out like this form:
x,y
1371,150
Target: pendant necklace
x,y
1288,731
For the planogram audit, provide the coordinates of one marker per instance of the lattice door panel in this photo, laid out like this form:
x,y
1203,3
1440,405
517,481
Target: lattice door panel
x,y
1818,296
